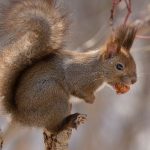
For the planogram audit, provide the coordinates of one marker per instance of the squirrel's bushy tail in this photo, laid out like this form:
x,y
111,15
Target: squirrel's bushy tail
x,y
29,30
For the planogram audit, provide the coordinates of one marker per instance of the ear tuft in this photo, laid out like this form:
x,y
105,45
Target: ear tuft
x,y
125,34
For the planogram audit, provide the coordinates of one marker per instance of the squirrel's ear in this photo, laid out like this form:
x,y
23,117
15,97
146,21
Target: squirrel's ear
x,y
112,48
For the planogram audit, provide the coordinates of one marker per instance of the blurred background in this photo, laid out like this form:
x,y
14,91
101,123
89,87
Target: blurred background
x,y
115,122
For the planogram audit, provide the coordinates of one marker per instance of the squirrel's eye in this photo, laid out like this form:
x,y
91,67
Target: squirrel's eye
x,y
120,66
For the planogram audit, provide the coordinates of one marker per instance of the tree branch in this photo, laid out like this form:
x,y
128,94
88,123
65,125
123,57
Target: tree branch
x,y
57,141
143,28
60,140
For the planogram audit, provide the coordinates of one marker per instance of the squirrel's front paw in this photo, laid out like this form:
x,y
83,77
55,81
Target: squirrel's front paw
x,y
74,120
78,119
90,99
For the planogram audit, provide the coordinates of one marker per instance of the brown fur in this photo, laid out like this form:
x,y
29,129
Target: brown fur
x,y
37,77
34,29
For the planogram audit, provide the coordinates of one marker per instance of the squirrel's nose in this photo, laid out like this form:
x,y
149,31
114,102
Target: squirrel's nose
x,y
133,80
129,79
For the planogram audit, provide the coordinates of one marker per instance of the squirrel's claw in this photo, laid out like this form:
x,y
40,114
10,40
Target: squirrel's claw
x,y
74,120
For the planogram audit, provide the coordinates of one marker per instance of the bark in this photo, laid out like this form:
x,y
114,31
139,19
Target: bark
x,y
57,141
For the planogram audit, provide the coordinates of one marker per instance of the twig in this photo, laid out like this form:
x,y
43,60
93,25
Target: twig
x,y
143,37
115,3
128,5
143,26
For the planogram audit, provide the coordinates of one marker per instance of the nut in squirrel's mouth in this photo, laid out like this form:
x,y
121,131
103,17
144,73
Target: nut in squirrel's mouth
x,y
121,88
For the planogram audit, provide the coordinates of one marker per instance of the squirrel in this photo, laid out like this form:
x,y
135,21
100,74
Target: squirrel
x,y
38,76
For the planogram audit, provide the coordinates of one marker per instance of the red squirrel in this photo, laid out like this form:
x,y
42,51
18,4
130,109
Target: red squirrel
x,y
38,76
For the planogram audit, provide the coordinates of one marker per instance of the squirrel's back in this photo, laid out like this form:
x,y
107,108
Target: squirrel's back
x,y
29,31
